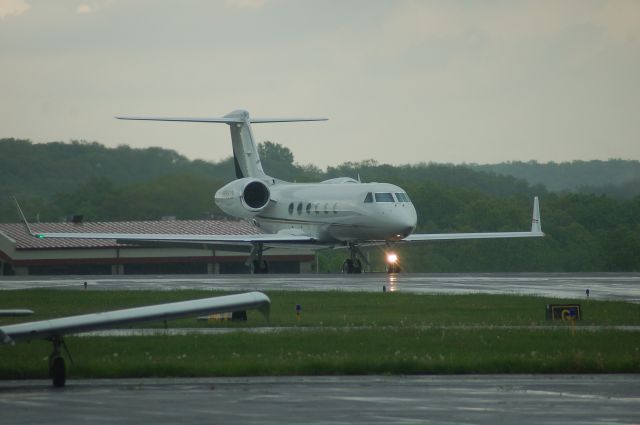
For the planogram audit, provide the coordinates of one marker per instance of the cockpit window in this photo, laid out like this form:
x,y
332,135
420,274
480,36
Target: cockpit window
x,y
384,197
368,198
402,197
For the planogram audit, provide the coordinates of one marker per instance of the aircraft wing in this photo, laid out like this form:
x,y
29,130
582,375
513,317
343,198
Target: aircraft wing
x,y
46,329
237,240
535,232
424,237
177,238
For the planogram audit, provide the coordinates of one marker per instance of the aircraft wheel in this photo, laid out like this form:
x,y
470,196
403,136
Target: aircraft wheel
x,y
260,267
347,266
58,371
393,268
357,267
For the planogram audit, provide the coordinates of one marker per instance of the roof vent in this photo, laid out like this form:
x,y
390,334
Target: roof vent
x,y
74,218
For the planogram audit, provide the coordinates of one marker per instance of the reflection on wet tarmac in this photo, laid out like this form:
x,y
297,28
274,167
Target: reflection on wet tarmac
x,y
604,286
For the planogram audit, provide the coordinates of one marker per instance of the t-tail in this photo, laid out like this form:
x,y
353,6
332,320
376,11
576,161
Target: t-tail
x,y
245,150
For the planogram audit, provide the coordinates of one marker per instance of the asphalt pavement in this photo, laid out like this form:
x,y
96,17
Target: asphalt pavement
x,y
489,399
601,286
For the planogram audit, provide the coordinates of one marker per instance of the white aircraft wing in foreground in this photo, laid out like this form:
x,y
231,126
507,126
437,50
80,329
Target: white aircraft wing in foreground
x,y
55,329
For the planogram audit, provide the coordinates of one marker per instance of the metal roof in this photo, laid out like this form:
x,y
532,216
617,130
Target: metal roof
x,y
23,240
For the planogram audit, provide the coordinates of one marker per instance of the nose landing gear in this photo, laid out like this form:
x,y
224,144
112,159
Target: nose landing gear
x,y
392,263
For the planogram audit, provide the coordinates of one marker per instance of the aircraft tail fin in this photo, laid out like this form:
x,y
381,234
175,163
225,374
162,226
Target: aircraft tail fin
x,y
245,150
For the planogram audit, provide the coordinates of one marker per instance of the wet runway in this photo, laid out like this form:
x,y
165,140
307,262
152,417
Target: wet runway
x,y
602,286
490,399
477,399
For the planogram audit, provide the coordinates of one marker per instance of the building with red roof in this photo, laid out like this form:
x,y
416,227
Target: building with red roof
x,y
23,254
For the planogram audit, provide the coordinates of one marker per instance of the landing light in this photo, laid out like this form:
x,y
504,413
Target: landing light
x,y
392,258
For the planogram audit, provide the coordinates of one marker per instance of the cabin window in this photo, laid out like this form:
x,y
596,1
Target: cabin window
x,y
384,197
368,198
291,208
300,208
309,208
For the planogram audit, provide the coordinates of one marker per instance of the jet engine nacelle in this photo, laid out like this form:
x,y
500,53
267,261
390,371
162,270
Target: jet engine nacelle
x,y
244,197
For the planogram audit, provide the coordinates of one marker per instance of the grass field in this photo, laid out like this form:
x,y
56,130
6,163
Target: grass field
x,y
339,333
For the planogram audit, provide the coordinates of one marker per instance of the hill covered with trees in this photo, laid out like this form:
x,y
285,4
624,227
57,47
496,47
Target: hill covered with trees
x,y
615,177
585,231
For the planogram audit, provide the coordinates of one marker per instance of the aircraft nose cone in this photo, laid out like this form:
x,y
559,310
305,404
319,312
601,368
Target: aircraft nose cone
x,y
408,231
405,222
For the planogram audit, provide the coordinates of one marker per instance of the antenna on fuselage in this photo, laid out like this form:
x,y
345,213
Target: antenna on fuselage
x,y
245,151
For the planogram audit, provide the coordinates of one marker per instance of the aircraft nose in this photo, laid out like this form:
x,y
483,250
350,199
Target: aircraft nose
x,y
406,222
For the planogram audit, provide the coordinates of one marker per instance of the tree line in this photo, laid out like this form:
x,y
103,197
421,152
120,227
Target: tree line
x,y
585,232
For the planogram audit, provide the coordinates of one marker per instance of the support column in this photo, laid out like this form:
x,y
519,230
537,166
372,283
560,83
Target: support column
x,y
305,266
213,267
21,270
117,269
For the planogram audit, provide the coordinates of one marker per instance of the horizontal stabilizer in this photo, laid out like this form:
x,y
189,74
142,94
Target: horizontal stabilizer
x,y
223,120
245,152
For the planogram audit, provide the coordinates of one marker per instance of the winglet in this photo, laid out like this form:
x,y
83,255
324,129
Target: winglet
x,y
536,225
265,309
263,304
24,219
6,339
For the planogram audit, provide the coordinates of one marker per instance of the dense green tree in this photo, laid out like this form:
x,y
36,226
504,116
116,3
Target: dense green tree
x,y
584,231
615,177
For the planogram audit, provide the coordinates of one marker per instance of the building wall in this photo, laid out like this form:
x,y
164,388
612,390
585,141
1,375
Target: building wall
x,y
112,260
145,261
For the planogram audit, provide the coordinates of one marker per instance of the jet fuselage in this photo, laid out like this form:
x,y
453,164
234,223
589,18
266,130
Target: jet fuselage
x,y
337,210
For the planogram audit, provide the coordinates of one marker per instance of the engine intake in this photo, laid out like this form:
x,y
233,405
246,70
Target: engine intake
x,y
243,197
255,195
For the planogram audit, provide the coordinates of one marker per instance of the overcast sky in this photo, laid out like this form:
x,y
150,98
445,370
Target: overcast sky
x,y
400,81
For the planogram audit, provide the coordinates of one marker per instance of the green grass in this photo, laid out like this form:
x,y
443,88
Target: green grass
x,y
353,333
333,308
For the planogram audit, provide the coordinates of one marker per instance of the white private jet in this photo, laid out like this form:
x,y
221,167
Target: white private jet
x,y
55,329
336,213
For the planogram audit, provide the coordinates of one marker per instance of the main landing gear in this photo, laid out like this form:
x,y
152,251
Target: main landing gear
x,y
258,265
352,264
57,368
